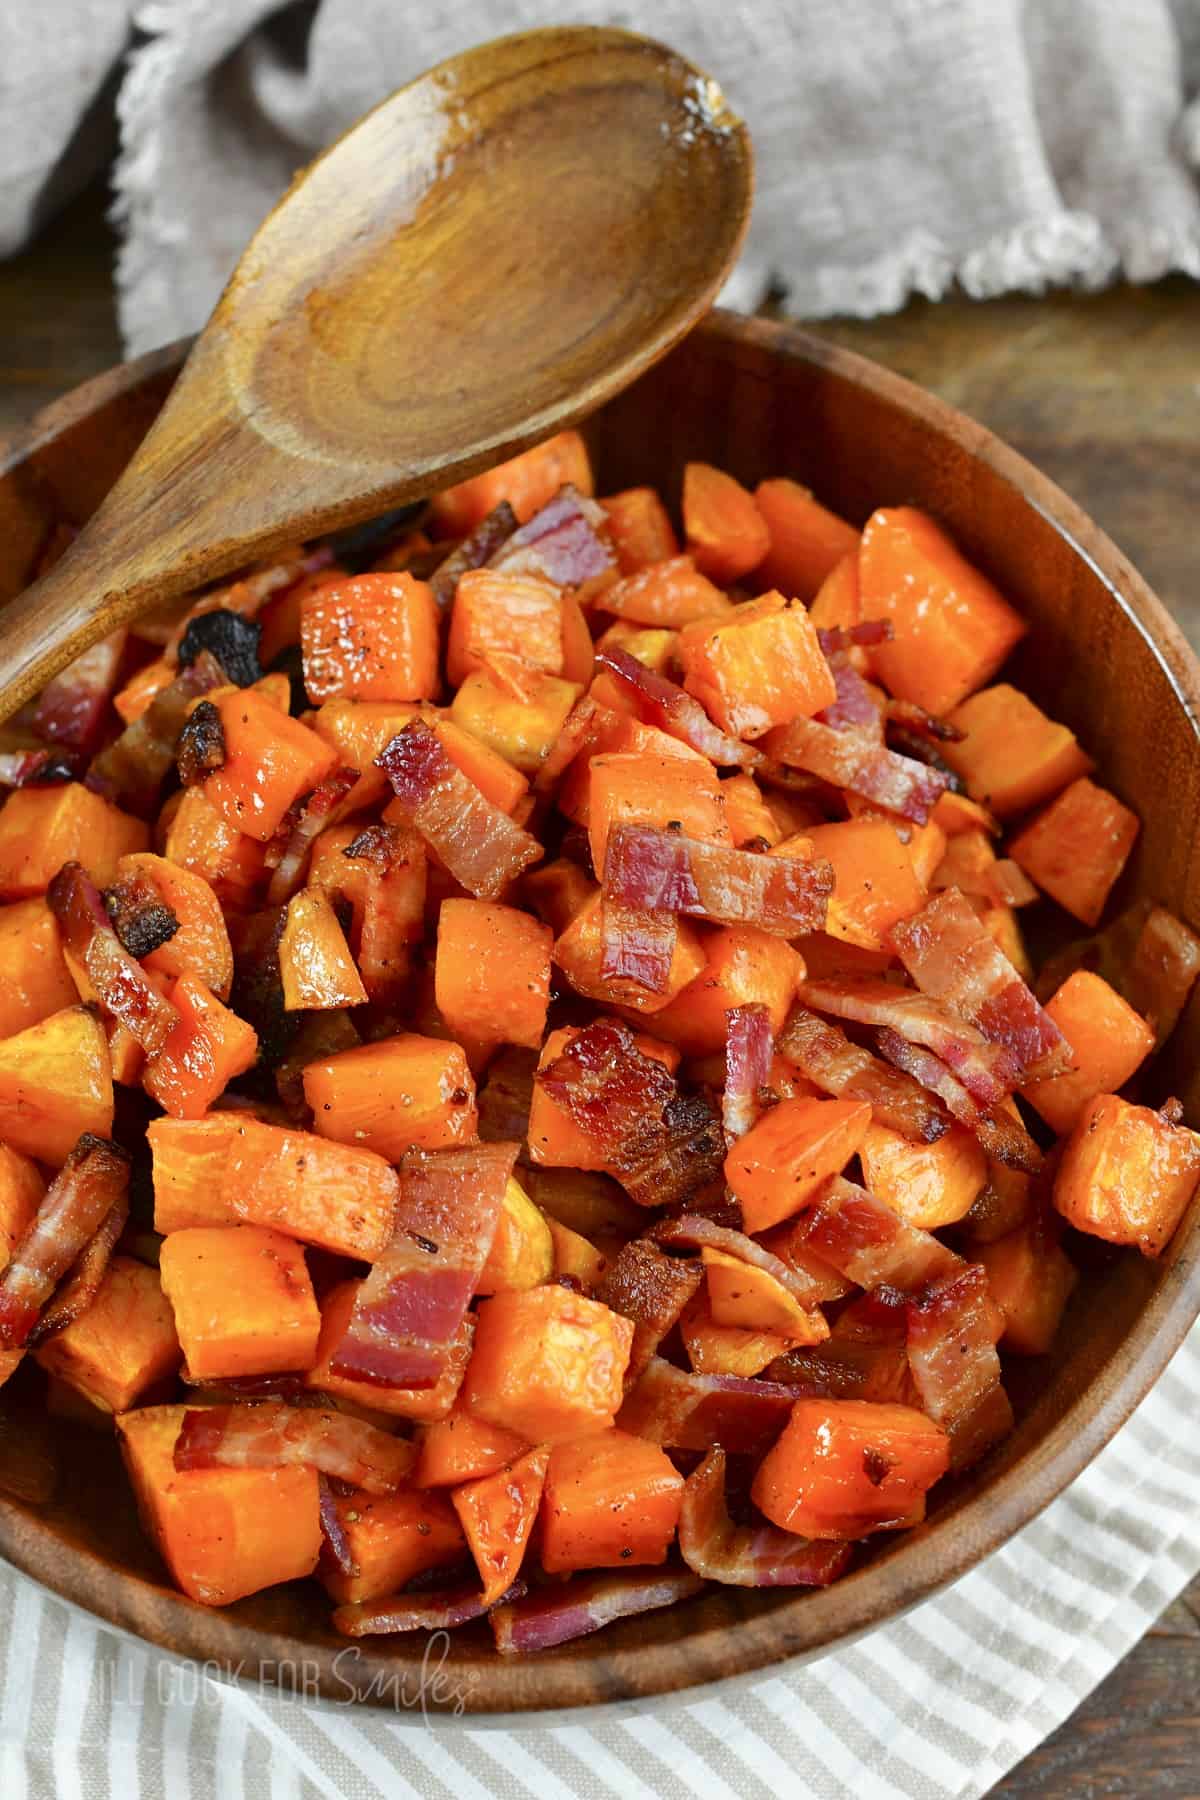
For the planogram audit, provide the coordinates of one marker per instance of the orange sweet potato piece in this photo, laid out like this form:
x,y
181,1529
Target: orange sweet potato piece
x,y
223,1533
838,601
807,541
188,1158
579,952
930,1185
667,595
782,1161
548,1363
340,1197
520,720
271,760
743,966
952,628
242,1299
41,828
492,974
641,530
611,1501
555,1140
34,978
201,943
842,1468
124,1345
55,1084
875,884
668,792
206,1050
726,534
200,840
427,1404
557,891
370,637
726,1349
527,482
1012,756
315,965
135,697
1109,1042
463,1448
1030,1278
575,1255
513,615
391,1539
749,818
745,1298
10,1362
522,1252
398,1094
22,1187
762,667
497,1514
1126,1175
1076,848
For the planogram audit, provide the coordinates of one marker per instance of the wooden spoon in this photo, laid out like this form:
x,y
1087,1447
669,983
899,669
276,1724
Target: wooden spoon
x,y
482,260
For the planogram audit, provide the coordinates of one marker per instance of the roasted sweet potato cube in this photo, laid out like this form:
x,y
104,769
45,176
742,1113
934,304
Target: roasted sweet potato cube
x,y
671,793
749,818
55,1084
579,953
520,722
930,1185
370,637
575,1255
1011,755
783,1160
875,884
666,596
1031,1278
1109,1042
611,1501
270,761
223,1533
461,1447
1126,1175
492,974
340,1197
522,1252
498,1513
762,667
201,840
842,1468
188,1158
726,533
726,1349
527,482
34,978
743,966
391,1539
807,540
641,529
315,965
1077,847
747,1298
124,1346
548,1363
426,1404
242,1299
399,1094
201,943
22,1189
41,828
515,615
207,1048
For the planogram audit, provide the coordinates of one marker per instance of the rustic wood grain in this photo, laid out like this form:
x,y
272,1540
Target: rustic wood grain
x,y
1103,392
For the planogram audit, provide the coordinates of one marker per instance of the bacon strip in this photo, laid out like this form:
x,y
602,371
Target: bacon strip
x,y
472,553
122,985
1002,1136
1162,972
637,945
134,766
324,806
856,760
834,639
555,1615
953,959
952,1334
855,706
865,1356
332,1530
686,1411
139,915
418,1612
272,1435
652,1289
870,1244
750,1556
657,701
411,1306
665,871
693,1231
562,543
478,843
90,1183
661,1144
749,1053
577,734
505,1099
73,706
83,1280
825,1056
985,1070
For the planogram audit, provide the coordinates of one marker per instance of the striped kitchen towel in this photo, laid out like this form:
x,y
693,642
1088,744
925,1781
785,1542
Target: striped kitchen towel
x,y
941,1703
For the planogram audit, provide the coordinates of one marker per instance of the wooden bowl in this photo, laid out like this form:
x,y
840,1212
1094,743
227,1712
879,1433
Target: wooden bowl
x,y
759,399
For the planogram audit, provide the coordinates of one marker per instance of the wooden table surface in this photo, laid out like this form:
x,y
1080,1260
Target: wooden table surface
x,y
1103,392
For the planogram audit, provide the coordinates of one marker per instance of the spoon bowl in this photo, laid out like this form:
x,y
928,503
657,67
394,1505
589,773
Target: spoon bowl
x,y
484,259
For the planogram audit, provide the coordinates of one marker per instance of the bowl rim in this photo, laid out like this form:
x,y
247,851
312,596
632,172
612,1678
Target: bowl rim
x,y
929,1560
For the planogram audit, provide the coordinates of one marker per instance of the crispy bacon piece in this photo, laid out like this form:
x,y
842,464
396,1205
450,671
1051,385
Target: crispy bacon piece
x,y
1011,884
652,1289
272,1435
134,766
82,1284
391,915
954,960
562,543
952,1333
322,807
665,871
750,1556
836,639
506,1096
661,1144
337,1543
657,701
870,1244
230,637
571,1609
90,1183
200,751
233,1390
122,985
478,843
694,1231
38,768
411,1307
473,552
825,1056
685,1411
418,1612
637,945
1162,972
855,759
73,707
749,1053
855,707
139,915
984,1069
577,734
1002,1136
865,1356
